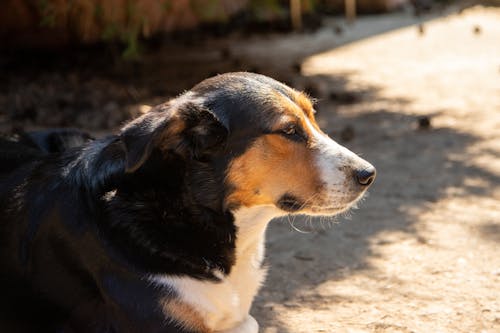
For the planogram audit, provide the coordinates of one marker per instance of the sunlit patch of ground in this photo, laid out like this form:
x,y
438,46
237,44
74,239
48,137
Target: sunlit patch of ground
x,y
422,254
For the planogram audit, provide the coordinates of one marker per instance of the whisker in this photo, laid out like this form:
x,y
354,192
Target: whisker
x,y
299,230
291,220
310,222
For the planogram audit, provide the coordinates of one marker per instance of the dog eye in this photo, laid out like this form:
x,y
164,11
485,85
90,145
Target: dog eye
x,y
293,133
290,130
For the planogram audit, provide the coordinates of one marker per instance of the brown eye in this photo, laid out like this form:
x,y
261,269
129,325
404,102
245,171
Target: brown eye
x,y
293,133
290,130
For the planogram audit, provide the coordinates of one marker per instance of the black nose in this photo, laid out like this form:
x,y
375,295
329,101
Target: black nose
x,y
365,176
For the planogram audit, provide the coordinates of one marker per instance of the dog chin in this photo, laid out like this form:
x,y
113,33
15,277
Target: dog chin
x,y
291,204
326,211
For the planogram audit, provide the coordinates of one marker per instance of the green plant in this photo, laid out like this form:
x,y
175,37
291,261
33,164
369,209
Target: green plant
x,y
128,33
47,14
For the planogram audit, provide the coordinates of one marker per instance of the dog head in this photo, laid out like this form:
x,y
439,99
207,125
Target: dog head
x,y
258,144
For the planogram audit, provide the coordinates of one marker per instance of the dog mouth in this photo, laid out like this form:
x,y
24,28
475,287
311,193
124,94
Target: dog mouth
x,y
290,203
293,204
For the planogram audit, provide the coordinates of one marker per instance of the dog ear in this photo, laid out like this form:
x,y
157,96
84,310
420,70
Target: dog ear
x,y
140,136
189,129
204,134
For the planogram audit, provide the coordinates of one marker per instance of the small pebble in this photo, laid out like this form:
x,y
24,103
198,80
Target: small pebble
x,y
347,133
477,30
312,89
291,305
421,29
225,53
297,67
344,97
424,123
303,258
338,30
254,69
144,108
237,63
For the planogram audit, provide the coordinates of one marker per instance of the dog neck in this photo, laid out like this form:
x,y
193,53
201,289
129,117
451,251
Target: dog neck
x,y
226,303
251,224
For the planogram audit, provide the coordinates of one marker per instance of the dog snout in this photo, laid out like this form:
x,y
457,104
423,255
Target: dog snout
x,y
366,175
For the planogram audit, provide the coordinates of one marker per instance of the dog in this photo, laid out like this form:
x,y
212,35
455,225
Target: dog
x,y
18,148
160,228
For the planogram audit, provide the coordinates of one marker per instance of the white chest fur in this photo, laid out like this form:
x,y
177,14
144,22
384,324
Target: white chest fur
x,y
225,304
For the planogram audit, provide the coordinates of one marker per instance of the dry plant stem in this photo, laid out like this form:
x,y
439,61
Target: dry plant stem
x,y
350,10
296,14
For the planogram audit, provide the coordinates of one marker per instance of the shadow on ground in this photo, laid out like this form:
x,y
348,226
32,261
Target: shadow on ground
x,y
490,231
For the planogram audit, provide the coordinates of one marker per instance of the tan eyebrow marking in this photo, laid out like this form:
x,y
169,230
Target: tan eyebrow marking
x,y
298,110
304,102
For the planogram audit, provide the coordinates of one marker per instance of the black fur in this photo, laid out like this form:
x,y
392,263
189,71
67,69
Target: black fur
x,y
83,227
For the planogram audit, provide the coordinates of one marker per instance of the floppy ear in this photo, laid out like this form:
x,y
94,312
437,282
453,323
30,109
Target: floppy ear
x,y
140,136
204,133
190,130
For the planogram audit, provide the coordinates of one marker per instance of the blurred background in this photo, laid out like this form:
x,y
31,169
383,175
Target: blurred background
x,y
411,85
93,64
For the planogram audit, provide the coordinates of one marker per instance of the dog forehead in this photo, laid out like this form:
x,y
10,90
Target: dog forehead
x,y
251,100
241,82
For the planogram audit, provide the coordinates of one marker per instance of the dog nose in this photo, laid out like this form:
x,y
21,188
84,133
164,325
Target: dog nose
x,y
366,176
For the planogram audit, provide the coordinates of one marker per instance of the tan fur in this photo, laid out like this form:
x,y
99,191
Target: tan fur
x,y
299,108
268,169
185,315
171,137
274,164
306,106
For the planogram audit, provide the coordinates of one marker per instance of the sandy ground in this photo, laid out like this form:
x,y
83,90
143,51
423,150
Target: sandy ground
x,y
422,252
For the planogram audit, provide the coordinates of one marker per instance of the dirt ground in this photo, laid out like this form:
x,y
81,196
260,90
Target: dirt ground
x,y
418,97
422,254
